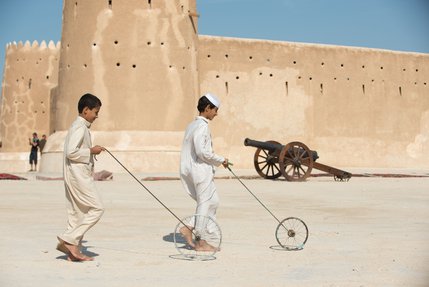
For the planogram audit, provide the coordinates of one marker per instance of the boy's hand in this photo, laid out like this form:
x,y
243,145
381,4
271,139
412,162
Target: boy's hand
x,y
96,149
225,163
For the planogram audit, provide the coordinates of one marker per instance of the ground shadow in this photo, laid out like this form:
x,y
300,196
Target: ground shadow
x,y
280,248
170,238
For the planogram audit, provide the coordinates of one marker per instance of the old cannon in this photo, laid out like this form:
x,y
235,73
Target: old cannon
x,y
294,161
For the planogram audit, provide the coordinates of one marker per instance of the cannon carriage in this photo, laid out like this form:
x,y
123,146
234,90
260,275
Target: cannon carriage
x,y
294,161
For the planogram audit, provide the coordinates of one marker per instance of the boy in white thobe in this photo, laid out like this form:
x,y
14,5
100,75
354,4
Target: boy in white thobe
x,y
197,166
84,206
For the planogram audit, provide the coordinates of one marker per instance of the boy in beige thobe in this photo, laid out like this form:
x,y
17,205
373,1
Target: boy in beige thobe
x,y
84,206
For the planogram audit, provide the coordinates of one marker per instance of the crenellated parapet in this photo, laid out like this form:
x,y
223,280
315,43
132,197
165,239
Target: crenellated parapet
x,y
30,74
13,46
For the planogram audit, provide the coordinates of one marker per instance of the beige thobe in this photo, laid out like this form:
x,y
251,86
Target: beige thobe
x,y
84,205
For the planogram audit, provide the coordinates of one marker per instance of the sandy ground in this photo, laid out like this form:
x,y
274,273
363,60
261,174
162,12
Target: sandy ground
x,y
370,231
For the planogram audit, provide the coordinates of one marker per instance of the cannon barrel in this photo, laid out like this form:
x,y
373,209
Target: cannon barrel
x,y
272,147
263,145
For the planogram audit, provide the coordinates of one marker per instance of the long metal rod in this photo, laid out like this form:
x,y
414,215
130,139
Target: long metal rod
x,y
263,205
169,210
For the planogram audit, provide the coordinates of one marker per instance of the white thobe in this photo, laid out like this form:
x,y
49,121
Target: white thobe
x,y
197,167
84,206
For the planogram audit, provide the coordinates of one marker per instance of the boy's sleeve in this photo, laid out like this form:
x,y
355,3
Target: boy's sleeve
x,y
203,148
74,149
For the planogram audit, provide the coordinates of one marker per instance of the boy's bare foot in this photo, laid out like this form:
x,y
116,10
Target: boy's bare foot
x,y
202,245
74,259
75,254
187,234
61,247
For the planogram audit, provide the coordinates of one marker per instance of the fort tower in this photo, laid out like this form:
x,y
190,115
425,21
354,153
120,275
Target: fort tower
x,y
140,58
30,76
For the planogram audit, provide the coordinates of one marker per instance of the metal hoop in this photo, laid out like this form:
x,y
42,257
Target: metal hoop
x,y
292,233
204,240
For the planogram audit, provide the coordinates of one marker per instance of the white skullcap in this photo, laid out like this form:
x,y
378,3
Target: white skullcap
x,y
213,99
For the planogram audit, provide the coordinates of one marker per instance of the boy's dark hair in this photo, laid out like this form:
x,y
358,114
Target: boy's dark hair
x,y
88,100
203,102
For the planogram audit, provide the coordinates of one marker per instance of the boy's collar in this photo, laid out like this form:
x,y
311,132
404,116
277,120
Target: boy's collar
x,y
88,124
203,118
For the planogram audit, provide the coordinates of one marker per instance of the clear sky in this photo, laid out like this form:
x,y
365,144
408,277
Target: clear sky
x,y
401,25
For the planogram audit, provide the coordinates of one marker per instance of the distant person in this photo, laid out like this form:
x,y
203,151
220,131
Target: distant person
x,y
42,143
84,205
197,167
34,142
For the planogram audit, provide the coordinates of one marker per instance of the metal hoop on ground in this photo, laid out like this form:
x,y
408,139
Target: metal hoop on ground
x,y
205,233
292,233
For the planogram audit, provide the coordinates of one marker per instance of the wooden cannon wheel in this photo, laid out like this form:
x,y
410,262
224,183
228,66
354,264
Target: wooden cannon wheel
x,y
267,163
296,161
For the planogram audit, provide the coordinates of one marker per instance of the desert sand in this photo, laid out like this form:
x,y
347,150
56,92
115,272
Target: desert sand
x,y
370,231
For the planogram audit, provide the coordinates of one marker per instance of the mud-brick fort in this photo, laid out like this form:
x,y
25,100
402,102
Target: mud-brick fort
x,y
146,61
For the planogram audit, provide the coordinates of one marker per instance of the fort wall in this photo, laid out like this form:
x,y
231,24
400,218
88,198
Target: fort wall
x,y
30,73
358,107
